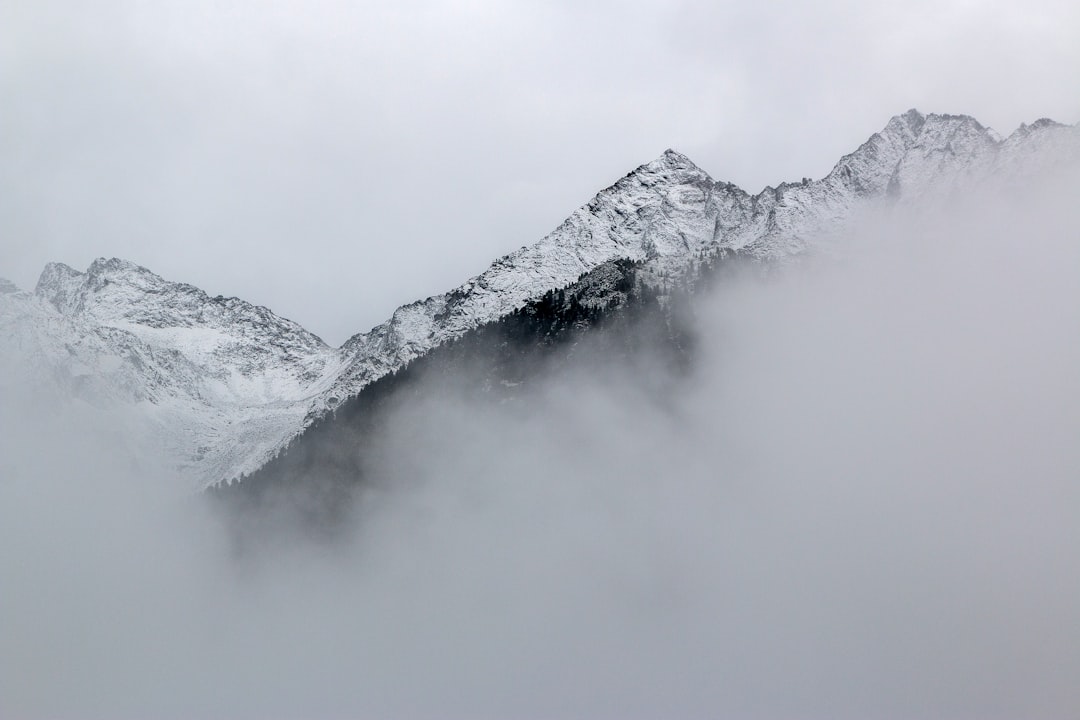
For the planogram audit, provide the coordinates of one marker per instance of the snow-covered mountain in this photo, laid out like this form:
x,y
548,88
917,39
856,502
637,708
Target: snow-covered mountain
x,y
670,213
222,386
212,381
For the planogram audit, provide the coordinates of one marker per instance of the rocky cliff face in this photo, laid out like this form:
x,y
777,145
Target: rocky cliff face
x,y
222,385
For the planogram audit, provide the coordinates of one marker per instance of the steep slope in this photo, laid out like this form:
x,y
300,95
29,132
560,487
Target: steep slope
x,y
670,214
611,320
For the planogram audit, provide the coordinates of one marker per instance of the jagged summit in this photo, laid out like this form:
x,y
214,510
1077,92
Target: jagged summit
x,y
69,290
674,156
116,266
670,163
55,270
914,119
121,293
228,384
224,379
59,285
1040,124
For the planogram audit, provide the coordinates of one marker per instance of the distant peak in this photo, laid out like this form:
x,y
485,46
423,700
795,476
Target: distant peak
x,y
7,287
67,288
947,120
1041,123
672,161
914,120
914,123
908,125
102,266
674,156
1045,122
59,269
55,274
59,284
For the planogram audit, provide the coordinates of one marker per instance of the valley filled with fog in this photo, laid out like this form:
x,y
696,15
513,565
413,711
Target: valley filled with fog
x,y
861,501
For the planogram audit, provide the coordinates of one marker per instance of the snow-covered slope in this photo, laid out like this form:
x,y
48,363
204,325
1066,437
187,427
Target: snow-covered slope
x,y
213,382
221,385
670,213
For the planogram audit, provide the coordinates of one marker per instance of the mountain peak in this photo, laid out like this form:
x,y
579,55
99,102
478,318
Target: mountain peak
x,y
116,268
57,270
674,157
913,125
906,127
60,284
67,289
673,165
1040,124
671,158
913,119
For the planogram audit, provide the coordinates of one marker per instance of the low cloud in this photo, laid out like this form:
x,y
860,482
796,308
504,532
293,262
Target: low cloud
x,y
862,502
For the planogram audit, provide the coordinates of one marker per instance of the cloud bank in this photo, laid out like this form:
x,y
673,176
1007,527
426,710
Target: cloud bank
x,y
862,503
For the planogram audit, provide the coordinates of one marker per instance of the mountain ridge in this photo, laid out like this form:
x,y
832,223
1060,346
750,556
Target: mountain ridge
x,y
236,383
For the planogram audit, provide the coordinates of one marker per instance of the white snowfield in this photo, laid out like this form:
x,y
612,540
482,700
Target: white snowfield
x,y
220,386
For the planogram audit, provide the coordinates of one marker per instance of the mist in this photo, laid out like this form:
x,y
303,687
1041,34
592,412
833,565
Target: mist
x,y
862,502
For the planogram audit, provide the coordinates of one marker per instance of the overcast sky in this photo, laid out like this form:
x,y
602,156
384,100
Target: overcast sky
x,y
332,160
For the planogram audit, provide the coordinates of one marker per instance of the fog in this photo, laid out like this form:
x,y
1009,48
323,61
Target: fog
x,y
863,502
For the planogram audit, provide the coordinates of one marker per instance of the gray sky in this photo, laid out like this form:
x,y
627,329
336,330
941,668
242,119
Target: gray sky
x,y
333,160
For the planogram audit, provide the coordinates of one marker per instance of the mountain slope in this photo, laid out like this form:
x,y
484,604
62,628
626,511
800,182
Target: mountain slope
x,y
612,317
670,213
213,381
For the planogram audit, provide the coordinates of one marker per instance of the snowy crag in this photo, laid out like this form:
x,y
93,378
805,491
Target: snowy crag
x,y
200,376
222,386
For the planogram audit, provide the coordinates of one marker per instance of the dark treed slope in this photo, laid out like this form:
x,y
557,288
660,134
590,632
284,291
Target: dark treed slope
x,y
622,312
